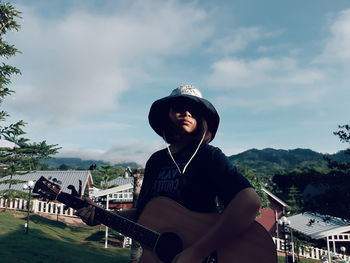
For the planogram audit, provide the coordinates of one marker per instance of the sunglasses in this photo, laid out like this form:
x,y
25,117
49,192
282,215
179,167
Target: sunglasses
x,y
182,106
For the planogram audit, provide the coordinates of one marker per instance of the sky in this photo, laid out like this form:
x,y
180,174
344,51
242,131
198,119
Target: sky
x,y
276,71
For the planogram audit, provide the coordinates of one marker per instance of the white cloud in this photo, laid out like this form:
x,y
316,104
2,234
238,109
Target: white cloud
x,y
267,83
232,73
337,46
239,39
273,82
127,151
82,63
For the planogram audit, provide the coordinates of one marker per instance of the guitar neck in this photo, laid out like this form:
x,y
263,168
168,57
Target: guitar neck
x,y
121,224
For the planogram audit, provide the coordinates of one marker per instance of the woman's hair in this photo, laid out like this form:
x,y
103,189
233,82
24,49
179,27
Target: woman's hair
x,y
170,132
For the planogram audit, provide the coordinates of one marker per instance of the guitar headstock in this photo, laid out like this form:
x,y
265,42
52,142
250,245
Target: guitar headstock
x,y
46,188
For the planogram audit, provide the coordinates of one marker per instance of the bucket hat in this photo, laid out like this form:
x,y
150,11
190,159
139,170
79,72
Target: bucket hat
x,y
159,111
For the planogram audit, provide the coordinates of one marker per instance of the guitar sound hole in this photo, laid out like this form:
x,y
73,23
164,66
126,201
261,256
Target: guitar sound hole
x,y
168,246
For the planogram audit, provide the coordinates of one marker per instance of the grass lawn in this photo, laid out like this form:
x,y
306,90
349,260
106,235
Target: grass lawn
x,y
52,241
55,242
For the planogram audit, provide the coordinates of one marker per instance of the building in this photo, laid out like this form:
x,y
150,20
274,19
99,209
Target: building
x,y
122,192
65,178
335,231
78,179
268,216
118,197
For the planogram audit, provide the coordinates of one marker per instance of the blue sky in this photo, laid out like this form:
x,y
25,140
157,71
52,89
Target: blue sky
x,y
277,72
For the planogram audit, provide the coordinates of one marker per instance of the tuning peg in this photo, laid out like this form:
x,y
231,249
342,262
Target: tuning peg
x,y
55,180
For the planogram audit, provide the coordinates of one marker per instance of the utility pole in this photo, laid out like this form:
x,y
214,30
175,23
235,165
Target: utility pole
x,y
106,231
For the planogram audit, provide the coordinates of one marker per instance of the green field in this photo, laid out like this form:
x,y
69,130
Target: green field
x,y
52,241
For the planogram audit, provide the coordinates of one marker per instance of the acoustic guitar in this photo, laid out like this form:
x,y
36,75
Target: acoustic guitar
x,y
165,228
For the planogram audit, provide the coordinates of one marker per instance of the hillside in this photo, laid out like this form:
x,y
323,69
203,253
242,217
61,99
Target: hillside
x,y
271,161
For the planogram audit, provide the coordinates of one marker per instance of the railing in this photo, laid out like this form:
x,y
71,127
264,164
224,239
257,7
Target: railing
x,y
37,206
308,252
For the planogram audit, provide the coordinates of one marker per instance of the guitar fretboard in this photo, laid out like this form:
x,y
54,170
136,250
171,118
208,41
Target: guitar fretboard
x,y
124,226
127,227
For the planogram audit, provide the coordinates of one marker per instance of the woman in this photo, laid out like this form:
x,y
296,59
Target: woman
x,y
195,174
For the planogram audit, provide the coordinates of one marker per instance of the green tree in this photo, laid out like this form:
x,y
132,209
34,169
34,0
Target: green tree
x,y
258,181
64,167
335,199
22,156
328,189
105,173
344,135
8,15
294,200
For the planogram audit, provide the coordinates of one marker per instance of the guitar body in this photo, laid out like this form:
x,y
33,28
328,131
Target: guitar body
x,y
164,215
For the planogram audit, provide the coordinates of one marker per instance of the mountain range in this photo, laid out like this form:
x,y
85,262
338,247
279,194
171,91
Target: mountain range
x,y
266,161
80,164
271,161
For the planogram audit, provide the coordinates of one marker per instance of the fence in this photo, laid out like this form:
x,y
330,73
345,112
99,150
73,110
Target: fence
x,y
37,206
309,252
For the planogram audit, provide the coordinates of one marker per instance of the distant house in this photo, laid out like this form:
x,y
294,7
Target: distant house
x,y
268,216
39,206
120,196
335,231
121,191
65,177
